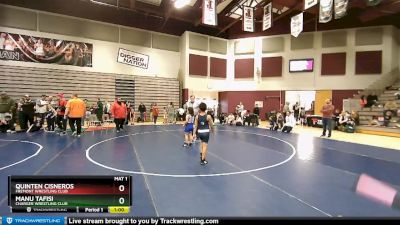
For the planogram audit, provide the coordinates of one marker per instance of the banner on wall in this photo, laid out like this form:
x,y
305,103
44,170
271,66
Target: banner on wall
x,y
267,18
325,11
248,19
260,104
340,8
26,48
210,12
296,25
133,58
309,3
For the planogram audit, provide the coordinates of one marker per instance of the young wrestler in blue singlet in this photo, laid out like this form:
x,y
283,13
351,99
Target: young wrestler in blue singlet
x,y
189,127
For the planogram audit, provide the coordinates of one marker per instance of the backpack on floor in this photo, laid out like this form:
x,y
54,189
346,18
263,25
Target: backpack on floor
x,y
349,129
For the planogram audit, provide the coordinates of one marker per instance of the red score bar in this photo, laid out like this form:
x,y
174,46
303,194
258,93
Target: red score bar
x,y
81,190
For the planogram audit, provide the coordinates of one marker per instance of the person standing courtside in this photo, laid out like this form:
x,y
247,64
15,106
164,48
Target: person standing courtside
x,y
61,122
118,110
156,111
327,114
100,108
75,111
142,111
7,106
192,103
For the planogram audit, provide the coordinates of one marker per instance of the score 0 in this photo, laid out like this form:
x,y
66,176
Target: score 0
x,y
123,188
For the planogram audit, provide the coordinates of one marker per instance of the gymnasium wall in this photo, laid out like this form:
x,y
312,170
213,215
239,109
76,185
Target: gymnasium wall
x,y
398,44
106,79
336,55
272,100
163,50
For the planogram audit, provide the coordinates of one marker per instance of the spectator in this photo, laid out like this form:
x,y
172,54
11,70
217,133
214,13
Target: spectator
x,y
240,108
390,106
355,117
397,94
343,120
387,117
155,111
142,111
327,114
75,111
61,107
106,110
302,116
290,123
36,126
281,120
181,114
273,122
246,117
239,121
244,112
165,120
51,115
27,113
210,112
5,123
171,112
256,112
296,110
221,118
363,101
192,103
87,114
118,110
41,108
285,109
151,112
372,100
7,105
132,114
100,109
230,119
336,116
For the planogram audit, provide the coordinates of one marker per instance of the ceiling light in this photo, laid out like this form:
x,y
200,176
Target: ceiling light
x,y
181,3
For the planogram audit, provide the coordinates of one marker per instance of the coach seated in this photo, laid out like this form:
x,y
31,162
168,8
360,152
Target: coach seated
x,y
7,108
290,123
6,123
230,119
238,121
343,119
251,119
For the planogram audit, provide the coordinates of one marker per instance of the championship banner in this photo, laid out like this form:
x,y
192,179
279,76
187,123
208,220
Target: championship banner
x,y
25,48
133,58
309,3
325,11
248,19
340,8
209,12
267,18
296,25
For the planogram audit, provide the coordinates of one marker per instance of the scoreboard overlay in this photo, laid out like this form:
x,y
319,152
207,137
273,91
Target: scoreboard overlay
x,y
89,194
